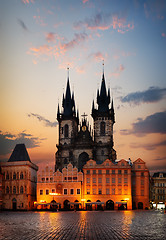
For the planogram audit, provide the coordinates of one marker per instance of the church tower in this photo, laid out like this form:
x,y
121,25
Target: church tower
x,y
104,119
68,128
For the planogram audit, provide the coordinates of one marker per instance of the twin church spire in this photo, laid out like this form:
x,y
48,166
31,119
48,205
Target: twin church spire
x,y
103,101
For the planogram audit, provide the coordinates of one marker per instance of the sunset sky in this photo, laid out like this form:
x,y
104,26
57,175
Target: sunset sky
x,y
39,39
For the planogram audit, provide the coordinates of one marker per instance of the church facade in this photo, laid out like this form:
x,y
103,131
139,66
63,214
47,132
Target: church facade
x,y
77,142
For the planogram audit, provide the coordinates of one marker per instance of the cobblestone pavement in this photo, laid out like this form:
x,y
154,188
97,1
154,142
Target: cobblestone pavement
x,y
140,225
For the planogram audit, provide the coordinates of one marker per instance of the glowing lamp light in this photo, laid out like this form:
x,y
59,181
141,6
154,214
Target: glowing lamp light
x,y
126,199
54,194
83,200
42,201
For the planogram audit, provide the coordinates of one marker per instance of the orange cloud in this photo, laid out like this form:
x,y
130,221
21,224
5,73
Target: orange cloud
x,y
98,56
78,38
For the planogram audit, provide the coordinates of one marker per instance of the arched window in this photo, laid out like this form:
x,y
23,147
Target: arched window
x,y
21,175
14,176
14,190
7,190
102,128
21,190
66,131
65,161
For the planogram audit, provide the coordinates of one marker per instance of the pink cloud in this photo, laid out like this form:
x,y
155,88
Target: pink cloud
x,y
163,35
39,20
117,71
50,37
78,38
28,1
98,56
104,22
81,69
84,1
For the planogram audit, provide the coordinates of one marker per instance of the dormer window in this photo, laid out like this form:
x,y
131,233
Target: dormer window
x,y
161,175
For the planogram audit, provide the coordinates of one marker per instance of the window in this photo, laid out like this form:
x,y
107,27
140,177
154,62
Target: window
x,y
78,191
14,176
107,191
125,172
94,171
107,180
113,191
142,174
113,180
21,175
25,189
47,191
51,179
88,191
21,190
72,191
113,171
99,171
66,131
119,191
102,128
88,180
14,190
94,180
100,191
125,180
65,191
142,182
47,179
7,190
7,176
94,190
65,161
142,192
100,180
119,172
88,171
43,179
53,190
119,180
139,166
107,171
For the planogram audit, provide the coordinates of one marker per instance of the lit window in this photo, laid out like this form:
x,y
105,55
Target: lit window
x,y
107,180
107,191
100,180
78,191
88,180
47,191
94,180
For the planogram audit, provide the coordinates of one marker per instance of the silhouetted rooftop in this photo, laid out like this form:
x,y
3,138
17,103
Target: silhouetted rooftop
x,y
19,154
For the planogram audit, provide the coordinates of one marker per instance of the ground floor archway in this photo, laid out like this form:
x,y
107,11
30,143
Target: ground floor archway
x,y
66,205
109,205
14,204
140,205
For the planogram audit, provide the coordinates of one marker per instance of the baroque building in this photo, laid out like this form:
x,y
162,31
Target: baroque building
x,y
19,180
77,142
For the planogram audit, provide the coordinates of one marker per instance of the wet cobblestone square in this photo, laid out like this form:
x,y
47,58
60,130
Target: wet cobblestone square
x,y
83,225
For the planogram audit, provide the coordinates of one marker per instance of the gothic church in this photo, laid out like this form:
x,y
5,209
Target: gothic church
x,y
77,141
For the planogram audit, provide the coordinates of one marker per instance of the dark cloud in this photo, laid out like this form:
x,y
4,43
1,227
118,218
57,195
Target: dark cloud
x,y
78,38
8,141
153,94
155,123
22,24
46,122
148,146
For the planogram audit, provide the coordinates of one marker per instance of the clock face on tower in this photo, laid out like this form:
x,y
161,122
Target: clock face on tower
x,y
84,128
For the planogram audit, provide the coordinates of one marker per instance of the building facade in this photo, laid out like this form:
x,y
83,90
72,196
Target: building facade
x,y
77,142
158,190
19,180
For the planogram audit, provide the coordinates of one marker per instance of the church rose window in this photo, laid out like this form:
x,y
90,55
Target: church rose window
x,y
66,131
102,128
